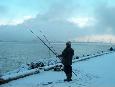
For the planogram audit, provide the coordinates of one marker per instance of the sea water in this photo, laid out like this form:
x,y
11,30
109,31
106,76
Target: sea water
x,y
14,54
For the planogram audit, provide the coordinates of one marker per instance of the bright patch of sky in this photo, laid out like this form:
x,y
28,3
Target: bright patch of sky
x,y
83,21
96,38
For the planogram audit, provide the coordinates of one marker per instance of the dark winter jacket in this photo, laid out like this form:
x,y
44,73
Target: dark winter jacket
x,y
67,56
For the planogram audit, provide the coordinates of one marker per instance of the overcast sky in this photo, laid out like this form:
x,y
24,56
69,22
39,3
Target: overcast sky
x,y
59,20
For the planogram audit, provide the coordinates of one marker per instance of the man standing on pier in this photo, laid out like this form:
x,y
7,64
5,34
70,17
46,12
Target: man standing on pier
x,y
66,58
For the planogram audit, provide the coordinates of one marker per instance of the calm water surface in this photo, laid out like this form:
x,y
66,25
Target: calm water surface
x,y
14,54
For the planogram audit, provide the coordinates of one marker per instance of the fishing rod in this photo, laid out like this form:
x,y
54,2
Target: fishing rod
x,y
47,41
51,46
43,42
48,47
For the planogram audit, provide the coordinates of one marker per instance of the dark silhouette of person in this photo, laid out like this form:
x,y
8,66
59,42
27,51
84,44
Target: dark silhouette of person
x,y
66,57
111,49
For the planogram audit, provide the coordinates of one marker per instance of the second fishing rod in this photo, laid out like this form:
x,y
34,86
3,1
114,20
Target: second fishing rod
x,y
48,47
48,41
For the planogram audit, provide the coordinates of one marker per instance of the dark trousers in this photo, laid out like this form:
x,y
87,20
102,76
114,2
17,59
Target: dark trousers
x,y
68,71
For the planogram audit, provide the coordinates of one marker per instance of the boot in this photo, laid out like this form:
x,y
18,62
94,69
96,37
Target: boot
x,y
65,80
68,79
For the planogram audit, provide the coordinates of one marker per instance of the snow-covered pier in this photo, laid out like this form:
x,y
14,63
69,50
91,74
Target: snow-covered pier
x,y
96,72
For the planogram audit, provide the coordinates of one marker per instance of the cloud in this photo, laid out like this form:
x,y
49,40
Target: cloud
x,y
55,25
106,19
15,21
83,22
60,10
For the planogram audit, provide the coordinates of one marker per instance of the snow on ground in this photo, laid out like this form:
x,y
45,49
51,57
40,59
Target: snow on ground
x,y
96,72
